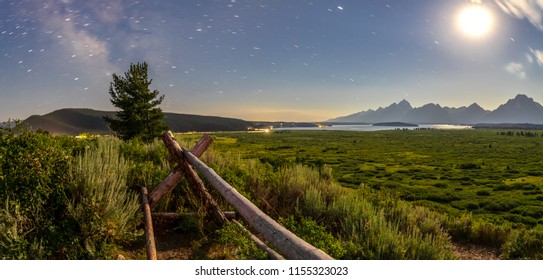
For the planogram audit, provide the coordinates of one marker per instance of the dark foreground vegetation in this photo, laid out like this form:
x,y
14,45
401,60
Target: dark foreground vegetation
x,y
356,195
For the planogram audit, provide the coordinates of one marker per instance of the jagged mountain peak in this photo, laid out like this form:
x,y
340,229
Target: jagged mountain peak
x,y
521,109
522,100
404,103
524,97
430,106
475,106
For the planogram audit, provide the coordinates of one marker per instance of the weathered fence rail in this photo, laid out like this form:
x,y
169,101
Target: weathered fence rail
x,y
289,245
285,241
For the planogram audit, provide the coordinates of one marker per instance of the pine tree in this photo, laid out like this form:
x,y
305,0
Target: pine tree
x,y
140,116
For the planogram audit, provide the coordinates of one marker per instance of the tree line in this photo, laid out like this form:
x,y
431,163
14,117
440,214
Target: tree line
x,y
519,133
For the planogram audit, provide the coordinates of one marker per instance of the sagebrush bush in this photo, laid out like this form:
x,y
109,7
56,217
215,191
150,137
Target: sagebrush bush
x,y
102,205
466,228
315,234
525,244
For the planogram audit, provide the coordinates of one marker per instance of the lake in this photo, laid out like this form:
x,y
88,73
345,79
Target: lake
x,y
369,127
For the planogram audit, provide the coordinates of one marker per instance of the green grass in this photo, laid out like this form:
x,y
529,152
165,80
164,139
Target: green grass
x,y
478,171
347,223
418,190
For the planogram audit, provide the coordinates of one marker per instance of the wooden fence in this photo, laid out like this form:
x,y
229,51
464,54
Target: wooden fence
x,y
288,244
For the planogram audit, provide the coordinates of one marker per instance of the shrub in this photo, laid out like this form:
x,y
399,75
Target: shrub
x,y
239,244
477,231
501,187
442,197
32,170
469,166
525,244
102,206
315,234
519,219
314,204
463,204
483,193
33,182
472,205
14,229
529,210
498,205
392,230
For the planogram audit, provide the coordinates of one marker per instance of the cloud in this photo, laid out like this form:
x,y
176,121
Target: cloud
x,y
532,10
516,69
538,54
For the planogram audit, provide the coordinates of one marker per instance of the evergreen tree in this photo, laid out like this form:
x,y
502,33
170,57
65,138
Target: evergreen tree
x,y
140,116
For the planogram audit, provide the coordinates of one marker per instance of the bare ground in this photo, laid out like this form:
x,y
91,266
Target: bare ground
x,y
174,246
475,252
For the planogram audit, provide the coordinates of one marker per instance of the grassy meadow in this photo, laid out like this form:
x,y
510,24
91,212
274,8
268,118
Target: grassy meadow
x,y
483,172
480,187
355,195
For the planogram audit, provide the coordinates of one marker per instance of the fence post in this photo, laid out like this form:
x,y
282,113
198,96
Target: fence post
x,y
194,181
173,178
150,246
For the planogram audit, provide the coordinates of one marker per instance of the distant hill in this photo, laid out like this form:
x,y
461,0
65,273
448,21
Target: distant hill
x,y
77,121
521,109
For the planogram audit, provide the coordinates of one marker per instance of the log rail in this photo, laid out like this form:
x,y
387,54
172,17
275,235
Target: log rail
x,y
286,242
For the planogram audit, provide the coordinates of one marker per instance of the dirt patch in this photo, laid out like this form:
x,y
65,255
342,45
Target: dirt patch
x,y
475,252
173,246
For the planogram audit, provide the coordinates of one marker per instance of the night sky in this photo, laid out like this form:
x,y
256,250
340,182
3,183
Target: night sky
x,y
290,60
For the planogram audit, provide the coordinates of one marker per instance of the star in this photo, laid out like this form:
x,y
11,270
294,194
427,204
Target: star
x,y
318,59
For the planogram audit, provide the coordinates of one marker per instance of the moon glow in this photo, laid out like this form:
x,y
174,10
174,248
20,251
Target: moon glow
x,y
475,21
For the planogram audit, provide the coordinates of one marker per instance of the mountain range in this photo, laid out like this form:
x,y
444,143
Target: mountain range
x,y
521,109
76,121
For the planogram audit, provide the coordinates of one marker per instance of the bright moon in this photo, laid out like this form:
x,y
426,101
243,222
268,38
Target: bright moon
x,y
475,21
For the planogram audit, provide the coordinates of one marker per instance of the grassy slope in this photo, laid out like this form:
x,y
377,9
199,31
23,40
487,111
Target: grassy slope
x,y
77,121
